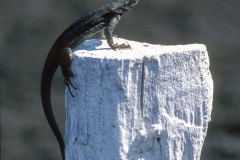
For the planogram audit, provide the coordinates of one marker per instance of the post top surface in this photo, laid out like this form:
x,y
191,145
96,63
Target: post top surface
x,y
97,48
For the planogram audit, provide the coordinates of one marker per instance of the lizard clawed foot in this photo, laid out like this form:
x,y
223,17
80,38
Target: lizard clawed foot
x,y
69,84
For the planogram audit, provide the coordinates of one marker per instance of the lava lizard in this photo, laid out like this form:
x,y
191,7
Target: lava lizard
x,y
102,20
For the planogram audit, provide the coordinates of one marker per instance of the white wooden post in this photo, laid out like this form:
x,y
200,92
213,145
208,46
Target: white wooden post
x,y
150,102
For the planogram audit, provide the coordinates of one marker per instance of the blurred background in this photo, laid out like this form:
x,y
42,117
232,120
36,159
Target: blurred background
x,y
28,29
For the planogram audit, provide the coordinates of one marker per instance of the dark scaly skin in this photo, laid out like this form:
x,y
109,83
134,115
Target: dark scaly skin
x,y
102,20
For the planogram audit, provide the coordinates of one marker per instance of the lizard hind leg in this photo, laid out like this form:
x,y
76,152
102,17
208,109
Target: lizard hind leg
x,y
65,63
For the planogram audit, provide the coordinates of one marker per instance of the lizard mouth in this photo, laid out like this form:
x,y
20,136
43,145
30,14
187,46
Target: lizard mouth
x,y
128,7
133,3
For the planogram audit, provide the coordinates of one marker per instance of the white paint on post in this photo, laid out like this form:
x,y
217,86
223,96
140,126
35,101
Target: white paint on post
x,y
150,102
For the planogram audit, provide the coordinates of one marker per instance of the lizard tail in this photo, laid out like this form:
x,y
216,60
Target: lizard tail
x,y
46,82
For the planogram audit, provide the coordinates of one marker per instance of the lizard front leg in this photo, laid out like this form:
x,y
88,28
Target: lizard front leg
x,y
108,32
65,63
